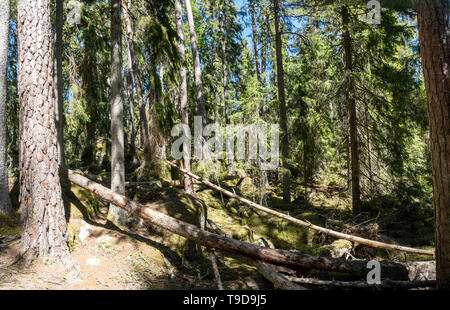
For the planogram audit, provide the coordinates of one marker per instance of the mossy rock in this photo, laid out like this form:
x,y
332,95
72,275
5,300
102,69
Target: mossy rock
x,y
340,247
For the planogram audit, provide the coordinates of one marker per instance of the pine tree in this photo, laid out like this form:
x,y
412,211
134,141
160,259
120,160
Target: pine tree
x,y
43,219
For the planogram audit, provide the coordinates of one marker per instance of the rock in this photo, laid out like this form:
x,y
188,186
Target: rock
x,y
84,231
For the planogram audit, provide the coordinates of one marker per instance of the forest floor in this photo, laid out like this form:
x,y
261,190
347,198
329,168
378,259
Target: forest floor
x,y
140,256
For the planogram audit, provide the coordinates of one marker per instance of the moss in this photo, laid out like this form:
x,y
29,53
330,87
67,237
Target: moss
x,y
80,203
9,226
150,253
72,237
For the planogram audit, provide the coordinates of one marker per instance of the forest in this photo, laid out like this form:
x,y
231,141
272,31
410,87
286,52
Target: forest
x,y
225,144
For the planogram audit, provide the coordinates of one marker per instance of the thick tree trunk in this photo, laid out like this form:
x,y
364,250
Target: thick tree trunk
x,y
136,73
43,222
5,203
351,109
197,68
434,34
282,103
59,81
188,186
389,269
116,215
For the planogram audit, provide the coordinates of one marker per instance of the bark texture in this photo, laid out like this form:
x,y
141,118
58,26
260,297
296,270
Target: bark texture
x,y
434,35
43,227
115,214
59,81
5,203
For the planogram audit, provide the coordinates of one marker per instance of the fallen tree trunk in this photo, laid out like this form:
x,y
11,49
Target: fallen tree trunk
x,y
386,284
390,270
372,243
278,280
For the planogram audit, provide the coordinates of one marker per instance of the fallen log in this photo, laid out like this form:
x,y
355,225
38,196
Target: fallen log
x,y
278,280
389,269
386,284
360,240
268,272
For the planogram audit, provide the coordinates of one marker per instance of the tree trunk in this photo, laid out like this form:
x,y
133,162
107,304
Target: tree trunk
x,y
43,222
197,68
225,74
89,77
282,103
59,82
5,203
351,108
130,97
434,35
188,186
136,73
116,215
255,43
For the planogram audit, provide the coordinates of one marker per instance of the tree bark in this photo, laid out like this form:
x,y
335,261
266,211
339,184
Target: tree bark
x,y
59,81
5,203
434,35
43,227
116,215
389,269
351,108
188,186
282,103
197,67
